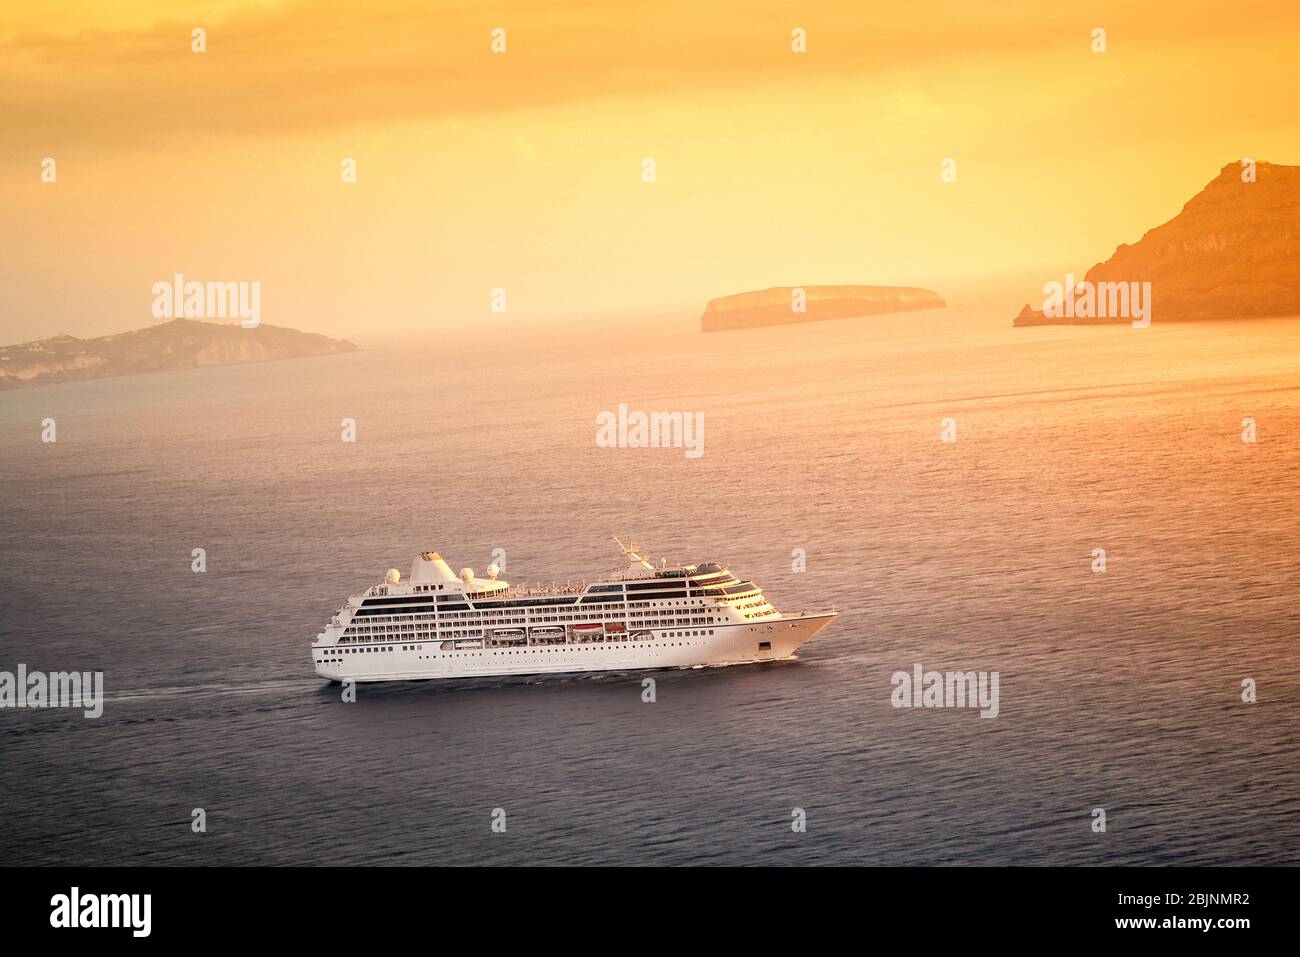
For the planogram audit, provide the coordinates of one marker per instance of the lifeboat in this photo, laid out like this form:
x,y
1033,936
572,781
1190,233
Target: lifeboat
x,y
616,626
586,629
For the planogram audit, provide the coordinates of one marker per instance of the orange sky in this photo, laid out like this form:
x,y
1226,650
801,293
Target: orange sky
x,y
523,170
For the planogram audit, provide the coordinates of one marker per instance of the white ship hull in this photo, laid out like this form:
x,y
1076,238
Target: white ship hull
x,y
422,660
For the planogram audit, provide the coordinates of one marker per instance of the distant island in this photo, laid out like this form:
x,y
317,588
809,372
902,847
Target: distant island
x,y
179,344
779,305
1232,253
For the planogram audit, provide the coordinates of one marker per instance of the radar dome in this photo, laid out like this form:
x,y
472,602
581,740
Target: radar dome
x,y
393,576
493,571
467,575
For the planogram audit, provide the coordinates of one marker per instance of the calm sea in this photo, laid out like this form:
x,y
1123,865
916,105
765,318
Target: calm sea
x,y
1118,690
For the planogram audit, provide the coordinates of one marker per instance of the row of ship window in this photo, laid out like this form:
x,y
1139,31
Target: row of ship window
x,y
636,621
394,606
369,609
712,580
379,648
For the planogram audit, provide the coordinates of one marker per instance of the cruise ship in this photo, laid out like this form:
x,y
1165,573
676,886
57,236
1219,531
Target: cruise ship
x,y
438,624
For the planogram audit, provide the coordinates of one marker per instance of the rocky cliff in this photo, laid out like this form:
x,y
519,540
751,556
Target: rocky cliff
x,y
1232,253
179,344
779,305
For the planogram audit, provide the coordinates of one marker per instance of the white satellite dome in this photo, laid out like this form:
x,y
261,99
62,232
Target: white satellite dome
x,y
467,575
493,571
393,576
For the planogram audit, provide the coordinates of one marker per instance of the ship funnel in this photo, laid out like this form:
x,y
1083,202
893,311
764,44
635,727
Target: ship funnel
x,y
430,567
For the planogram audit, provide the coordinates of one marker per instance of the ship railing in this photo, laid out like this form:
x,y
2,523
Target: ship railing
x,y
543,590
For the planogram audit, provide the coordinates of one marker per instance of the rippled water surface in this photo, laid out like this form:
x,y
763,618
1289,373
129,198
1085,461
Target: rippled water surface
x,y
1119,690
